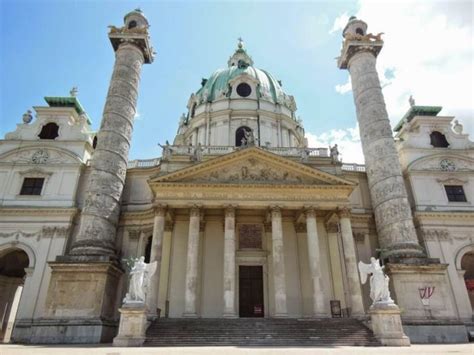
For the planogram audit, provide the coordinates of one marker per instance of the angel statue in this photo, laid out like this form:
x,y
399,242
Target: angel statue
x,y
140,276
379,291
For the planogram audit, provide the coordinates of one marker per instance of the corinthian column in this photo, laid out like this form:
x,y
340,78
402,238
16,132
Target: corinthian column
x,y
393,216
350,258
190,290
155,255
279,280
100,213
319,301
229,263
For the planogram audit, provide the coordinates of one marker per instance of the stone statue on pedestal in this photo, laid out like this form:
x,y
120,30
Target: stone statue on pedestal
x,y
139,279
379,291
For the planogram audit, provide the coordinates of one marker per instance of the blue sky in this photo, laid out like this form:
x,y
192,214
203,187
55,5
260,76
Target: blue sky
x,y
46,47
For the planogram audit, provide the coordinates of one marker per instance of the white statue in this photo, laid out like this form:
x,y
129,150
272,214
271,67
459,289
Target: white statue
x,y
249,138
140,276
379,292
334,153
411,101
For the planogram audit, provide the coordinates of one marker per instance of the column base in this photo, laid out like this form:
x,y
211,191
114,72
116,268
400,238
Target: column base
x,y
280,315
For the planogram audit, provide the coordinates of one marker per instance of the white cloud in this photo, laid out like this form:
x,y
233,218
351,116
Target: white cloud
x,y
426,53
339,23
344,88
347,140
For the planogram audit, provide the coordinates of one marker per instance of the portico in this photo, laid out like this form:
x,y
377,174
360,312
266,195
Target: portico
x,y
256,221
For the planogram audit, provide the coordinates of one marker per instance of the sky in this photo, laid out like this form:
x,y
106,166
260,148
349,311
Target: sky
x,y
47,47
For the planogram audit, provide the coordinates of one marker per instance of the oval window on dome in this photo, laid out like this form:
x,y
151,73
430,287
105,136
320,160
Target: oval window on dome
x,y
244,89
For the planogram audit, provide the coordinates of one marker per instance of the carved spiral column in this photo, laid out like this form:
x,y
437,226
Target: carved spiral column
x,y
156,255
350,258
314,259
229,263
192,263
278,253
100,213
392,211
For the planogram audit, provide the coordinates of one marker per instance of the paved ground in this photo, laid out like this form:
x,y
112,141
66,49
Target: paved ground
x,y
6,349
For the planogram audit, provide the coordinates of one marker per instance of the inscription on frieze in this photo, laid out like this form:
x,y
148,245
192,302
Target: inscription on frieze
x,y
250,236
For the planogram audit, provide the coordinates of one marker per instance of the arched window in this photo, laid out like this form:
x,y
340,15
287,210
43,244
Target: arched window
x,y
49,131
438,140
94,142
359,31
467,264
193,110
132,24
240,135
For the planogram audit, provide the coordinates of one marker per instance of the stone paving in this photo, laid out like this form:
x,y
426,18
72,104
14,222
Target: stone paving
x,y
432,349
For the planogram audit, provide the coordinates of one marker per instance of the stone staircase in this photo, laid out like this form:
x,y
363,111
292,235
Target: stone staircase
x,y
259,332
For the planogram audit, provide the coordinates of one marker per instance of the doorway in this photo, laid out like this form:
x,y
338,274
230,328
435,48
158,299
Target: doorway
x,y
251,291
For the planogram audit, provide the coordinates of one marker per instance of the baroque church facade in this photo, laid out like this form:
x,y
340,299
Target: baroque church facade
x,y
241,216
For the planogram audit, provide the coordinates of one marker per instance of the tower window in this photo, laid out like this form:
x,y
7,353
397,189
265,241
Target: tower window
x,y
132,24
359,31
94,142
193,110
32,186
438,140
244,89
455,193
49,131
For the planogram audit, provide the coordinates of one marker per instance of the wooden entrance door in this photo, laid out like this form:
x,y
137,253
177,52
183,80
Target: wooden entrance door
x,y
251,291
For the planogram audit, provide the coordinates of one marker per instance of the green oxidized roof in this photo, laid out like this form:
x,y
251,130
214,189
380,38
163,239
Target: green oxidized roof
x,y
269,88
417,111
67,101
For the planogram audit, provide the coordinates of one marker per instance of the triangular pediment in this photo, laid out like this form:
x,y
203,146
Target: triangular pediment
x,y
252,166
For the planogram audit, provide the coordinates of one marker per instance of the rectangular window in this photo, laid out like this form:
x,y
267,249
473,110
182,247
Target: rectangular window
x,y
32,186
455,193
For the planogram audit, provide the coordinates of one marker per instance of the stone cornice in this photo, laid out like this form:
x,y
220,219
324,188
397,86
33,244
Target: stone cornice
x,y
37,211
443,214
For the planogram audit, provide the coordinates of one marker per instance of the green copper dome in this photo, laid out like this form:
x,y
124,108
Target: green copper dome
x,y
219,84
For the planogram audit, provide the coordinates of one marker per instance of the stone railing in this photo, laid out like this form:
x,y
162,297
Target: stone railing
x,y
171,150
354,167
143,163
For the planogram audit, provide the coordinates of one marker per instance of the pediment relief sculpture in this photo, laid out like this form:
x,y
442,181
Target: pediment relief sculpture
x,y
39,156
253,171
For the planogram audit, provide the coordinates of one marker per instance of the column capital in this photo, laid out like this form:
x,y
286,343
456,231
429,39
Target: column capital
x,y
230,211
275,211
160,209
344,212
310,212
195,211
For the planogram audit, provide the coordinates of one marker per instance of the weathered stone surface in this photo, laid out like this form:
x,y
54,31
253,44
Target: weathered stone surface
x,y
191,286
229,264
106,181
279,279
388,193
387,325
132,326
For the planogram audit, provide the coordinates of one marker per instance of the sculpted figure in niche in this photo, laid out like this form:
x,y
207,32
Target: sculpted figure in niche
x,y
379,292
197,154
140,276
249,138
